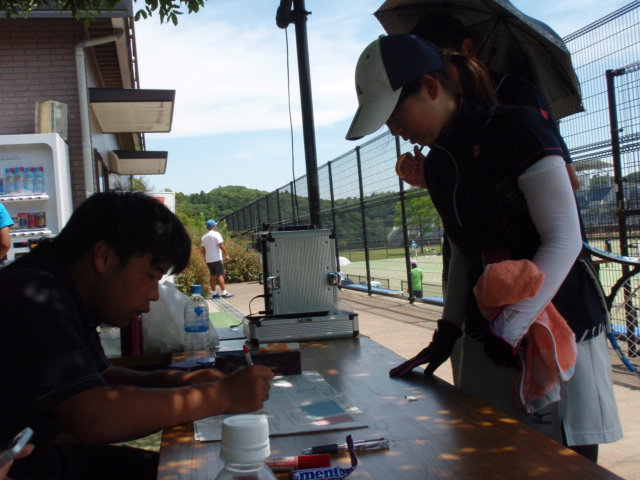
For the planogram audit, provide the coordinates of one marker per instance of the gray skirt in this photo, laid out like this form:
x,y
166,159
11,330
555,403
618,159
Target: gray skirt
x,y
587,407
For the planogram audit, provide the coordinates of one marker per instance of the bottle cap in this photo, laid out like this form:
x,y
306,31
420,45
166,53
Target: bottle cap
x,y
245,439
196,289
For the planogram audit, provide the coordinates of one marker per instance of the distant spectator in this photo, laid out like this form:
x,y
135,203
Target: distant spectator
x,y
416,280
212,250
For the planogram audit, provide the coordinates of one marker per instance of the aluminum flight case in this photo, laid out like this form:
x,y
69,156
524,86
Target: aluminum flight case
x,y
301,289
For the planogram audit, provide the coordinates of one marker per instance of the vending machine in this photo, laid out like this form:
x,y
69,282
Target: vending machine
x,y
35,187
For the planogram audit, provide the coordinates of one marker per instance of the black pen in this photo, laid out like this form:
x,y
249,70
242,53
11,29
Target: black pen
x,y
375,444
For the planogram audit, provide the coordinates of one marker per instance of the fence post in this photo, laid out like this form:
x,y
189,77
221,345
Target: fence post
x,y
333,212
279,207
364,221
617,164
256,226
405,233
294,203
266,199
631,321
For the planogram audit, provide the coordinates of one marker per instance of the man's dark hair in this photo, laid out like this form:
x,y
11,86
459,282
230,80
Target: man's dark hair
x,y
442,29
133,223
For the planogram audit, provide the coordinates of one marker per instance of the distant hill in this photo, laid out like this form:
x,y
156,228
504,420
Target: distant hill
x,y
218,202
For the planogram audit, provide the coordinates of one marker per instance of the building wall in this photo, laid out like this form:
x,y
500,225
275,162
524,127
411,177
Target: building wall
x,y
37,63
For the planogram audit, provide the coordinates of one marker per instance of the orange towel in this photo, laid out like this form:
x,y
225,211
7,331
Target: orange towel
x,y
551,352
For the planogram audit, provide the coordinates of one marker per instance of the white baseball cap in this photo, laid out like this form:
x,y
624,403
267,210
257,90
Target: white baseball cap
x,y
384,67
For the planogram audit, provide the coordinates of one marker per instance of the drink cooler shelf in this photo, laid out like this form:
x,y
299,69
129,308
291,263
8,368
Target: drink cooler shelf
x,y
24,198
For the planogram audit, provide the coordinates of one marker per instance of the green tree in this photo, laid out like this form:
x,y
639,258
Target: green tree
x,y
598,181
218,202
168,10
422,215
123,182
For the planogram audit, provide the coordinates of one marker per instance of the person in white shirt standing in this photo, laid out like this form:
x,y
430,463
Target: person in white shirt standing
x,y
212,250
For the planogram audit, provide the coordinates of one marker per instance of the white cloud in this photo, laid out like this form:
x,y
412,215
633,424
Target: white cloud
x,y
232,77
227,64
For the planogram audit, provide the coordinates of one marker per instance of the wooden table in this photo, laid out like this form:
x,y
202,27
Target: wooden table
x,y
445,434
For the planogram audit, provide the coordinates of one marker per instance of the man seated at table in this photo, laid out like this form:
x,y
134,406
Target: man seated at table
x,y
105,266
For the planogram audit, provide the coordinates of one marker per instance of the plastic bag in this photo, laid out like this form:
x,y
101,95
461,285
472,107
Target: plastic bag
x,y
163,326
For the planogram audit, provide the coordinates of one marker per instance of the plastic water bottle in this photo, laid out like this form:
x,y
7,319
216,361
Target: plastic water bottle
x,y
9,184
29,175
38,180
197,339
18,181
245,448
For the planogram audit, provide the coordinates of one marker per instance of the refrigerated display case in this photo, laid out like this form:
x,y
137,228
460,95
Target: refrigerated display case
x,y
39,210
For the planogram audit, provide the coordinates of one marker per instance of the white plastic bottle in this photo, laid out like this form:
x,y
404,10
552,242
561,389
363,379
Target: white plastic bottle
x,y
245,448
9,184
18,181
199,339
38,180
29,175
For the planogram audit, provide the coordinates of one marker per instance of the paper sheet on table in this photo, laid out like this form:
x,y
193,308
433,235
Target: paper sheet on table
x,y
297,404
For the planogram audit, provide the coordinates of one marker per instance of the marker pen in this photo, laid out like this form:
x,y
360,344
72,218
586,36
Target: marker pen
x,y
287,464
375,444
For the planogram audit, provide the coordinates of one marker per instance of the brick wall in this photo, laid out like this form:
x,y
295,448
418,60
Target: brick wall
x,y
37,63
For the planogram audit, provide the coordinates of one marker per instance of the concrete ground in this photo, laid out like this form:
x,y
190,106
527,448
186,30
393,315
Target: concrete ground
x,y
406,329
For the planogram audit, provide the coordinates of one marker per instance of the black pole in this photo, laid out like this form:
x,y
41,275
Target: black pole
x,y
279,207
405,233
333,213
617,163
363,217
630,309
298,16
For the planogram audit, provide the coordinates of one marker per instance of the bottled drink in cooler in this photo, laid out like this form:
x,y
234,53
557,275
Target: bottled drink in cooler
x,y
8,181
2,189
18,180
197,337
38,180
28,180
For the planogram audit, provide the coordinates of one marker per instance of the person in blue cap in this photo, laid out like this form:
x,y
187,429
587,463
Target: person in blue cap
x,y
497,177
5,223
212,250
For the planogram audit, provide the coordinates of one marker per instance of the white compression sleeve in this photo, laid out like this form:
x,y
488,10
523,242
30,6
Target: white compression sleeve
x,y
553,209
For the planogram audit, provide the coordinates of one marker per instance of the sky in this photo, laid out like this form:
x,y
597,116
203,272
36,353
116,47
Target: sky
x,y
237,92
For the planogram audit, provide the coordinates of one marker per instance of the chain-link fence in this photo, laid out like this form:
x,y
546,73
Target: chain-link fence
x,y
376,220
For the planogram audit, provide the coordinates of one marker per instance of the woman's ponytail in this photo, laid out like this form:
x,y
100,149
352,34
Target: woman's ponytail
x,y
474,80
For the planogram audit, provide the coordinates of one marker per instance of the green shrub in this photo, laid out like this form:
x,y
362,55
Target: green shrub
x,y
244,265
196,273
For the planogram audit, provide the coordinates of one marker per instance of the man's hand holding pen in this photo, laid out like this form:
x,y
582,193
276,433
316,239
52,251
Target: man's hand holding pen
x,y
247,389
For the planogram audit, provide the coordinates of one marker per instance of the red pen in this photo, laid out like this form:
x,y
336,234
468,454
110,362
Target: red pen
x,y
287,464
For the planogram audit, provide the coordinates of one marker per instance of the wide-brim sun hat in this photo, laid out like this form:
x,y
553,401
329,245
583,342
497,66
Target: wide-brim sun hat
x,y
384,67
